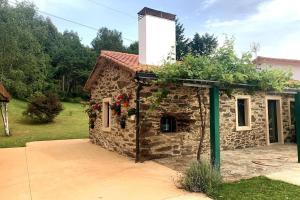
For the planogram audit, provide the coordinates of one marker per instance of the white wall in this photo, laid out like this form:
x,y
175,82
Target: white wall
x,y
157,40
295,69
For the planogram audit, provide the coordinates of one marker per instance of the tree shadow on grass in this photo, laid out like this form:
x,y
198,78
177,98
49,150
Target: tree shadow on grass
x,y
28,121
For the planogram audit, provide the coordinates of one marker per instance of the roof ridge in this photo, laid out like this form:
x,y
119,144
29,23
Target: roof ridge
x,y
277,59
108,51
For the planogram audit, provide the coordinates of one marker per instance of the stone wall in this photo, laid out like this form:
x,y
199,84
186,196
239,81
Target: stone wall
x,y
233,139
182,104
113,81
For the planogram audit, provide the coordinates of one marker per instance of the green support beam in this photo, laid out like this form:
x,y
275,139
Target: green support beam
x,y
214,97
297,123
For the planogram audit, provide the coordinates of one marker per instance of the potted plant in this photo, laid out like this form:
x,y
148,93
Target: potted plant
x,y
124,98
93,110
123,121
131,113
116,108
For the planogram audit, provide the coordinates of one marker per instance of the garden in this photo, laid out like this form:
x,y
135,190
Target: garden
x,y
71,123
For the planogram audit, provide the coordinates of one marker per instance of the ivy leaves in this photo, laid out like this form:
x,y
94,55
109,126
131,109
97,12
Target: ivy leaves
x,y
226,67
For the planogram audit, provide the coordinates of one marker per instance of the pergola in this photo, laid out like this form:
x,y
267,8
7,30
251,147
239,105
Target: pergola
x,y
214,99
4,99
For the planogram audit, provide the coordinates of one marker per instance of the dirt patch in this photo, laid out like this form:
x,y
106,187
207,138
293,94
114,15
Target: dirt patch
x,y
245,163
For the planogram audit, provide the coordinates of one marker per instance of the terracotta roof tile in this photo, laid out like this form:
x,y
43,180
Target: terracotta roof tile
x,y
129,61
268,60
4,94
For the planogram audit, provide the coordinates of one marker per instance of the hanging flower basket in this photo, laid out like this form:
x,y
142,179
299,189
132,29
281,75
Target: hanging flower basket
x,y
123,121
124,99
116,108
93,110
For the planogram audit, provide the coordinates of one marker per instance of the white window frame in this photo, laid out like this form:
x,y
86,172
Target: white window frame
x,y
247,99
106,114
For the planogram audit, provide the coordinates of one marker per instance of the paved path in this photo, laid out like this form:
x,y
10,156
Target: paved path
x,y
273,161
77,169
290,176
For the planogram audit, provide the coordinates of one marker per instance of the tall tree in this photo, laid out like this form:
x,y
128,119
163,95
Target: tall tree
x,y
73,61
203,45
133,48
107,39
182,46
36,57
23,63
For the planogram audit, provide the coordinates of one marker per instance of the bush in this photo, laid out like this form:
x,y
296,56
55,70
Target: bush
x,y
43,108
201,177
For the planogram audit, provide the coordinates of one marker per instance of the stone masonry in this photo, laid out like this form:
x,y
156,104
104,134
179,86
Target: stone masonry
x,y
182,104
113,81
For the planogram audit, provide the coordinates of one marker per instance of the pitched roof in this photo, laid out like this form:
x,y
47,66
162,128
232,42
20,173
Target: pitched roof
x,y
268,60
128,62
4,95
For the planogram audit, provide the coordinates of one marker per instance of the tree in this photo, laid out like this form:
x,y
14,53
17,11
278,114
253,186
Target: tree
x,y
22,60
133,48
43,108
182,46
107,39
71,64
203,45
36,57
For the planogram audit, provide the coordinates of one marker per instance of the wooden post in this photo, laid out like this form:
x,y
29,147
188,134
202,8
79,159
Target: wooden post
x,y
297,123
4,114
137,118
214,96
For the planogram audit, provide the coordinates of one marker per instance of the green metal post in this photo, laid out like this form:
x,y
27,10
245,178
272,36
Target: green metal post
x,y
214,96
297,123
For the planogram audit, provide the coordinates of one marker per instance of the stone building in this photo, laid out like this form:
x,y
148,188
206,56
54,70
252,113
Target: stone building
x,y
247,119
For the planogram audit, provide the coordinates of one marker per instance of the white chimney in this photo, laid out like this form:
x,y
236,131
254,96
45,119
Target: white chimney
x,y
157,37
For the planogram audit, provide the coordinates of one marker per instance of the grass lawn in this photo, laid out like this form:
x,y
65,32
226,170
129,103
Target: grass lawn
x,y
70,124
258,188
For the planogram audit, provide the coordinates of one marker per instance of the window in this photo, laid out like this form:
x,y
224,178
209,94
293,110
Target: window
x,y
168,124
106,114
292,112
243,113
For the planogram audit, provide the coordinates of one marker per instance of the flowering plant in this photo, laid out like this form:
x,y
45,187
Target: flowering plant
x,y
116,107
124,98
93,110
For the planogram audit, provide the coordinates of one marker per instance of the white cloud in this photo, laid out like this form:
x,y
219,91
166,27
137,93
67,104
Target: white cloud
x,y
208,3
275,25
59,4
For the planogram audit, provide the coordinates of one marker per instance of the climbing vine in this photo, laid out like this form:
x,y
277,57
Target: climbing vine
x,y
225,67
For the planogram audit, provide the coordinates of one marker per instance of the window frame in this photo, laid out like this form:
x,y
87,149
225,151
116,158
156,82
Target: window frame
x,y
290,117
106,114
173,118
248,114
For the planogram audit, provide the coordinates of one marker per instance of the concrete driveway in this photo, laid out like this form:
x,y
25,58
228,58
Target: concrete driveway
x,y
77,169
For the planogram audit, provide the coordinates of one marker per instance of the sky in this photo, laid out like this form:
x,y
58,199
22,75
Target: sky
x,y
273,24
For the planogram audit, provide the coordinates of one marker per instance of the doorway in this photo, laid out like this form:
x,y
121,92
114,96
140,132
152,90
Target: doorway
x,y
272,117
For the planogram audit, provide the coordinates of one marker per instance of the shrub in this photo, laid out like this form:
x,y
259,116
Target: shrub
x,y
201,177
43,108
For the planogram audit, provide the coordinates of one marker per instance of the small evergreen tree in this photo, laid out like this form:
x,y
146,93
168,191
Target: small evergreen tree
x,y
203,45
43,108
108,40
133,48
182,46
